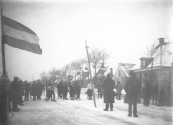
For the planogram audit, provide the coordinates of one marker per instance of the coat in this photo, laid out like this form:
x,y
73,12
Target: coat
x,y
78,88
39,88
27,89
33,89
15,90
146,89
108,87
119,88
99,87
133,90
71,89
59,88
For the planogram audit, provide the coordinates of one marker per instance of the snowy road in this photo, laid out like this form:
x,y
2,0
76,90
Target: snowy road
x,y
83,112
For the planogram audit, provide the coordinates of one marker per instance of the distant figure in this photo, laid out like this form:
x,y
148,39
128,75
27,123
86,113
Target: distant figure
x,y
51,89
15,92
27,90
146,91
89,91
65,91
39,89
34,90
59,88
99,89
132,88
108,87
118,89
21,92
78,90
71,86
154,93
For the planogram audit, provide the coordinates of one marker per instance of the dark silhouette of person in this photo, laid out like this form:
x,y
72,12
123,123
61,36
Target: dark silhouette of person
x,y
133,89
108,87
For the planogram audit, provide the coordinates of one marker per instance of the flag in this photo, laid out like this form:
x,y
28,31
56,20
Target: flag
x,y
19,36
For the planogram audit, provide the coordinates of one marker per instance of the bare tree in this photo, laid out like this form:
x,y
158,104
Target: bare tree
x,y
97,57
43,77
67,69
154,52
54,73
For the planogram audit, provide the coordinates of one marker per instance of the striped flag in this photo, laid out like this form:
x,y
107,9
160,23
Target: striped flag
x,y
19,36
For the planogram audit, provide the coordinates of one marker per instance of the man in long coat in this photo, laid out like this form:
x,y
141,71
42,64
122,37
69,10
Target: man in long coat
x,y
59,88
78,89
39,89
133,90
99,89
119,89
108,87
27,90
34,90
71,86
15,93
65,90
146,91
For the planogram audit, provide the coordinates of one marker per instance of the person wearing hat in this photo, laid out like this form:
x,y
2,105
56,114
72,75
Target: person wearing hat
x,y
15,94
132,88
89,90
108,87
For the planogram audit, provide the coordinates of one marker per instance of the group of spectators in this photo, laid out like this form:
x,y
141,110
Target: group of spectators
x,y
63,87
18,89
160,96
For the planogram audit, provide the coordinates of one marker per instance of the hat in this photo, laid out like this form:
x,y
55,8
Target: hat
x,y
108,75
131,72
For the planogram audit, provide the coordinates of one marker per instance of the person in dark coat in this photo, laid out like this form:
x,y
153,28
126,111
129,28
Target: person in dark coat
x,y
34,90
65,90
39,89
48,92
108,87
27,90
71,86
15,92
51,89
75,89
154,93
146,91
59,88
133,90
118,90
78,90
21,92
99,89
89,91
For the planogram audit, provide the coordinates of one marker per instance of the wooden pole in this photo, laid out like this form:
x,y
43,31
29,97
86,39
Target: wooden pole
x,y
90,73
4,101
171,81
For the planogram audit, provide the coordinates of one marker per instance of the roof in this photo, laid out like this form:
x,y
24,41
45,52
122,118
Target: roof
x,y
145,58
149,68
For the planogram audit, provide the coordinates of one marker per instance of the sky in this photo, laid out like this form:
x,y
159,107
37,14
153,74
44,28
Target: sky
x,y
124,28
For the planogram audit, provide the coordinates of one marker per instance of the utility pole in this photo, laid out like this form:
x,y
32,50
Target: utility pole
x,y
171,80
90,73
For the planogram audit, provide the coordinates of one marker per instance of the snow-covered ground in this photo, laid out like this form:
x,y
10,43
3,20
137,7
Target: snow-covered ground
x,y
83,112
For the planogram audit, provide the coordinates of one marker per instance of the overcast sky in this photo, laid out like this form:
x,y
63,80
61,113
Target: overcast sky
x,y
123,28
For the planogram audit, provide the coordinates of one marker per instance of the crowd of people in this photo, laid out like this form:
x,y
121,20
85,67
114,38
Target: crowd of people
x,y
135,90
18,89
63,88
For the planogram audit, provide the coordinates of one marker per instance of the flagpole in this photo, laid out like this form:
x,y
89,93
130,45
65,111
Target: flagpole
x,y
5,102
90,73
3,48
